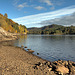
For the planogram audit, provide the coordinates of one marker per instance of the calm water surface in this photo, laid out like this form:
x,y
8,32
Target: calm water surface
x,y
50,47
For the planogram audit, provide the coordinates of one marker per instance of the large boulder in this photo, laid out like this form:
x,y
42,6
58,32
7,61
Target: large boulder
x,y
62,70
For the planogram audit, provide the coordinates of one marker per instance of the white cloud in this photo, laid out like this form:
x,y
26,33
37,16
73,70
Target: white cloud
x,y
38,18
48,2
20,6
23,5
39,7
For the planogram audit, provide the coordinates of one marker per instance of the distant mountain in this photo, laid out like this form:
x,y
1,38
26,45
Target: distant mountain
x,y
51,26
11,26
45,27
52,29
33,28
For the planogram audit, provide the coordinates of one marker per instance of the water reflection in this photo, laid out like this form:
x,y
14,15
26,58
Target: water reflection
x,y
22,40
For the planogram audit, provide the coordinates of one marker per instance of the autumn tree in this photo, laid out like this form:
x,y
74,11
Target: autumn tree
x,y
5,15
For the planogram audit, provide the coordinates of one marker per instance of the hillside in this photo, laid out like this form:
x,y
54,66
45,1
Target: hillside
x,y
10,26
52,29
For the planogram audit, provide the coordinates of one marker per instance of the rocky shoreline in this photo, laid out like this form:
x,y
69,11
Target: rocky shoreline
x,y
17,61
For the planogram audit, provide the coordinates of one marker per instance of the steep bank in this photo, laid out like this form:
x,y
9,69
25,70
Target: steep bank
x,y
4,35
16,61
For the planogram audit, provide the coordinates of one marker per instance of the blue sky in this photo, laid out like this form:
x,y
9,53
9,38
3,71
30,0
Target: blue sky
x,y
33,12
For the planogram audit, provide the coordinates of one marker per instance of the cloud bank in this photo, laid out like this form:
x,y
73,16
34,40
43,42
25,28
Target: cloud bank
x,y
40,19
66,20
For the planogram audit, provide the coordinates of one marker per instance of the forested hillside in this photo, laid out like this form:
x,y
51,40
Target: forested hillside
x,y
10,26
52,29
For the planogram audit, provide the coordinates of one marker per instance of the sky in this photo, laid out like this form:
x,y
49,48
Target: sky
x,y
37,13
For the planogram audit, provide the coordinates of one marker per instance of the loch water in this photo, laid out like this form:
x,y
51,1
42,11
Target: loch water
x,y
49,47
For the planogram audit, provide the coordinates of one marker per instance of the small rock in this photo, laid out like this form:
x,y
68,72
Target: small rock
x,y
41,64
55,62
53,65
50,66
45,63
30,51
49,69
37,53
60,73
37,67
59,62
25,47
38,64
48,63
7,69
